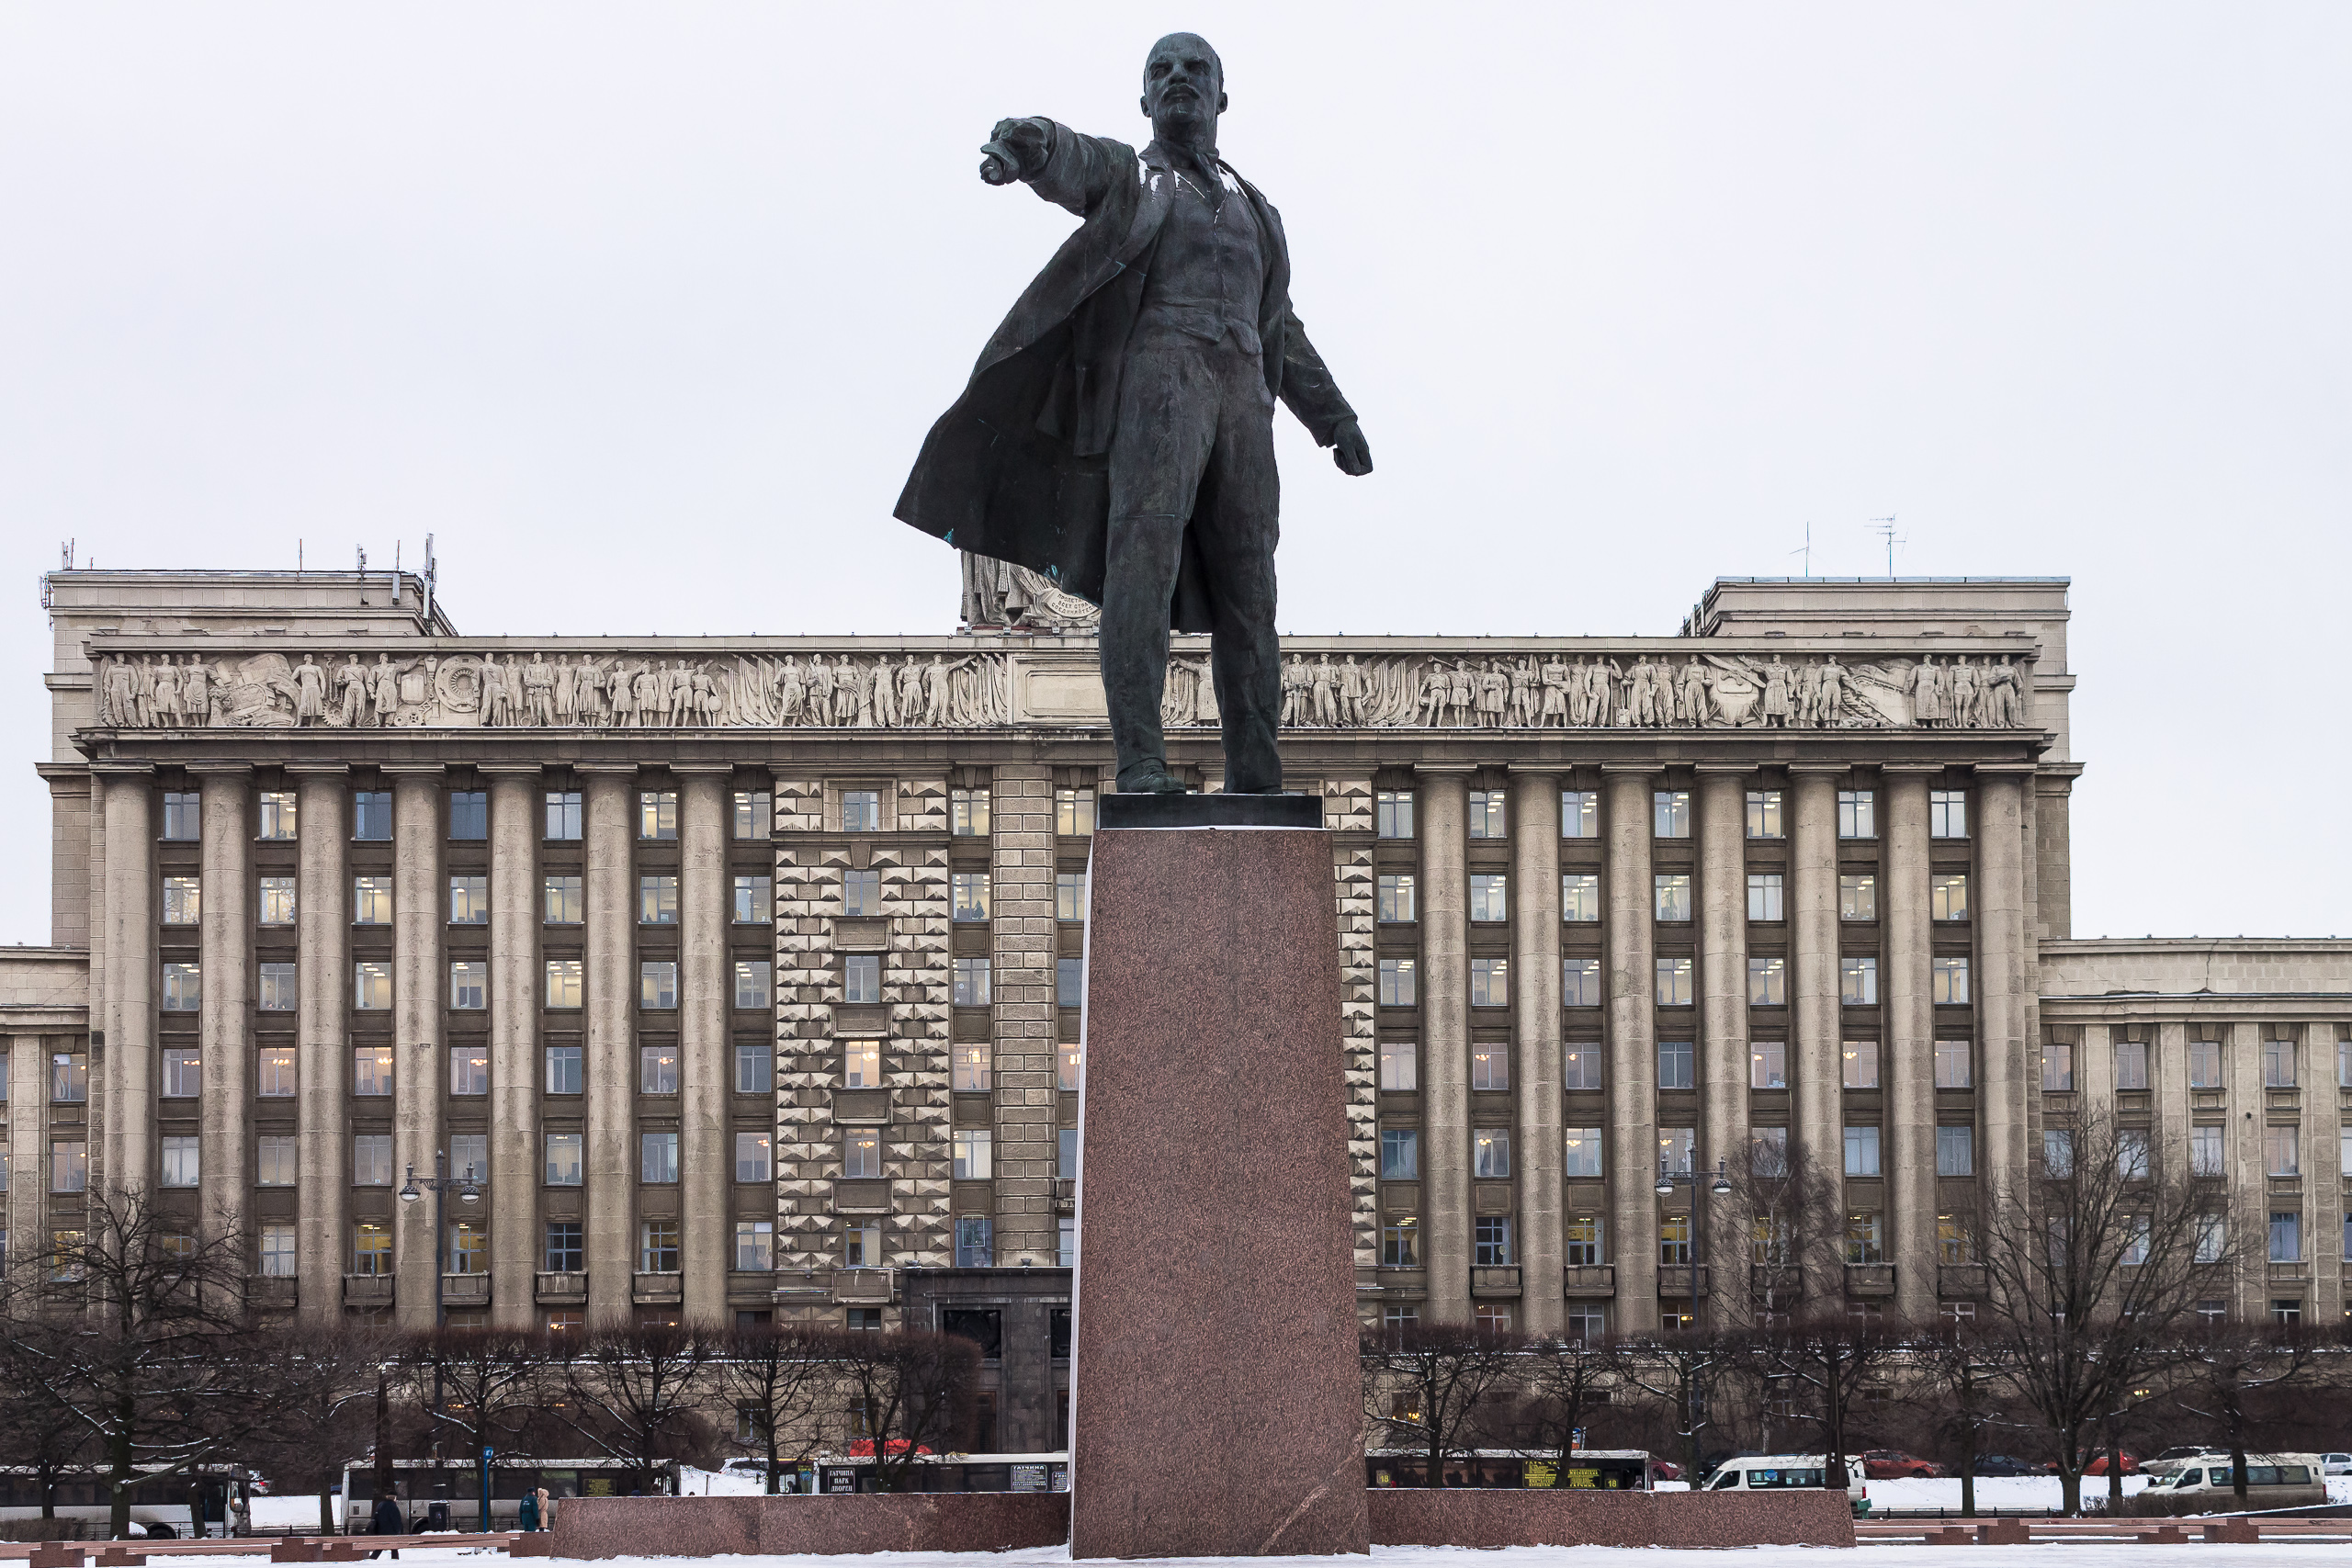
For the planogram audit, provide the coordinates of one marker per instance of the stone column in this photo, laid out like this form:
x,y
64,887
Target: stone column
x,y
126,1009
1909,1050
1722,1008
420,984
28,1141
2322,1177
1445,1044
1536,968
514,1006
226,1022
611,981
1632,964
1817,1076
2249,1172
323,1046
704,1159
2011,1059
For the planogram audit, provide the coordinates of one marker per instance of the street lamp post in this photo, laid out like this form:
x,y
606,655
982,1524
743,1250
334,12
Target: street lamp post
x,y
1700,1185
470,1200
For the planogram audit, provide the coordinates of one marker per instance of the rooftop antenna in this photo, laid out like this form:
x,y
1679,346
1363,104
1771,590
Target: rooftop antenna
x,y
1884,528
298,553
1807,551
428,584
362,560
65,552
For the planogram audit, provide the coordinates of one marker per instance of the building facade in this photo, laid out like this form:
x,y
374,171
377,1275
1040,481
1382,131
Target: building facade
x,y
741,973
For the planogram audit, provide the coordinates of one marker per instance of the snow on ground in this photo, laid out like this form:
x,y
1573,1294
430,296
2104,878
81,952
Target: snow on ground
x,y
2071,1554
2020,1492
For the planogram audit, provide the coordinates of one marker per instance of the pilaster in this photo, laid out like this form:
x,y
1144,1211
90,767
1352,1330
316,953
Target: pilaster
x,y
1444,991
420,984
609,1082
705,1160
226,1023
322,1049
1632,966
1535,971
1910,1051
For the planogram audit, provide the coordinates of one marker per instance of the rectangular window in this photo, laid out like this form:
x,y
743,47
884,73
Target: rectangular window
x,y
1492,1245
1768,1152
2131,1154
1674,1241
371,1069
862,1246
371,900
1948,813
1764,820
2131,1064
469,814
563,1158
69,1077
2286,1236
754,1156
275,1155
565,901
469,986
1675,1063
372,986
1670,814
1955,1065
754,1068
1676,1145
1857,814
967,813
371,1249
1955,1239
182,900
1858,981
1400,1153
1490,982
755,815
1581,1065
1400,1065
1490,897
1069,895
1400,1243
1672,895
1955,1151
861,895
2058,1151
1949,982
1395,893
2057,1068
278,814
277,1257
862,977
1584,1233
657,985
972,1146
1397,983
2213,1240
1860,1060
1489,1065
969,1071
971,983
861,1155
1580,813
183,988
180,1168
2278,1064
2205,1151
657,814
1768,982
1579,896
1865,1238
656,900
1581,982
2344,1067
1861,1151
1066,1155
183,815
275,1078
2282,1151
657,1249
1074,813
1767,1064
657,1069
371,1160
975,1242
1764,897
2204,1063
1490,1153
657,1160
750,983
968,896
69,1166
1584,1148
1948,898
861,811
861,1064
372,814
183,1072
470,900
563,816
566,1251
1393,813
563,982
754,901
468,1069
754,1246
563,1069
1674,982
1486,815
277,900
1857,898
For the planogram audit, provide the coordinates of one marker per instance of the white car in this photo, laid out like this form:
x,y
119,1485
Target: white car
x,y
2335,1464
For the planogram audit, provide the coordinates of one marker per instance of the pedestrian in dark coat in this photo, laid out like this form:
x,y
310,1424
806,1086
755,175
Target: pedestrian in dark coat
x,y
387,1520
528,1514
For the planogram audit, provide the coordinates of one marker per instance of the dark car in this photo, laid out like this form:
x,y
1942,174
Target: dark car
x,y
2002,1464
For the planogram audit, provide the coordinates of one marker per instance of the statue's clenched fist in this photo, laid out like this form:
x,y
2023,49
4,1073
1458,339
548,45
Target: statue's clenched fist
x,y
1350,450
1015,148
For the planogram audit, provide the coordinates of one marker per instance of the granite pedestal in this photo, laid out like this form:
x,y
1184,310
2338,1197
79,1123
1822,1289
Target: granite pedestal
x,y
1216,1407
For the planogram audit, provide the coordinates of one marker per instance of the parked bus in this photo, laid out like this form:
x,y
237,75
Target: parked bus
x,y
184,1503
446,1493
946,1472
1585,1470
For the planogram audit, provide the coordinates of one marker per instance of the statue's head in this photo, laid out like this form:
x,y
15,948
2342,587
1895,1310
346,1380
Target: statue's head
x,y
1183,90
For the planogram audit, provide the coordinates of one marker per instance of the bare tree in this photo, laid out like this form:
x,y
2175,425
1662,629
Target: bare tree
x,y
634,1391
2092,1267
777,1377
39,1432
1830,1354
1686,1370
1425,1385
327,1413
909,1393
2222,1370
1565,1381
1968,1370
481,1384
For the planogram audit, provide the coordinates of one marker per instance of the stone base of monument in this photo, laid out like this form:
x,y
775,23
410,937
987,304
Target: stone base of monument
x,y
818,1527
1216,1403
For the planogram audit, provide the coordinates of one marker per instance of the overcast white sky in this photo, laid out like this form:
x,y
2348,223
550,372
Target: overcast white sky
x,y
643,310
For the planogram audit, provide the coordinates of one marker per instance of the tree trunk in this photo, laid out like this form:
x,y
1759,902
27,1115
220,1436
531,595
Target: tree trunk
x,y
326,1511
119,1472
2237,1465
2070,1490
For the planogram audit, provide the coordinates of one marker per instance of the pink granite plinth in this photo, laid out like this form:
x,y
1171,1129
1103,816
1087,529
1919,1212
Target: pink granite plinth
x,y
1542,1516
825,1525
1216,1405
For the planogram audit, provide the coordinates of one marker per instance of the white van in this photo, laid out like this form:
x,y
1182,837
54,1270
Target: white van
x,y
1789,1472
2272,1481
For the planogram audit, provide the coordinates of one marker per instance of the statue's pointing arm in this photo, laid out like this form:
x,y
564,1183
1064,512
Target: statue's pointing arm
x,y
1066,168
1309,393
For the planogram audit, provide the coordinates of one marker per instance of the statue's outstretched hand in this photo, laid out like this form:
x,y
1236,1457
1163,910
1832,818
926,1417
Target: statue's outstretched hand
x,y
1015,148
1350,450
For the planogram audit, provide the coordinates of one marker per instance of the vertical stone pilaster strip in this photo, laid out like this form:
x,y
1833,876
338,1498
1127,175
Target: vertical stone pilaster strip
x,y
323,1047
420,984
1908,1054
27,1116
1348,814
1723,1016
1631,1141
1535,984
915,985
515,982
608,1057
2011,1058
706,1155
125,1140
1022,975
1817,1074
225,937
1444,983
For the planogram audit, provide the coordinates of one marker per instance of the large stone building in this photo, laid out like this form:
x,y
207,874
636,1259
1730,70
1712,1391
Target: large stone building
x,y
743,972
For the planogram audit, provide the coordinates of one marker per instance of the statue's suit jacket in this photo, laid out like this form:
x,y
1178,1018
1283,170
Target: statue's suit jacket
x,y
1018,468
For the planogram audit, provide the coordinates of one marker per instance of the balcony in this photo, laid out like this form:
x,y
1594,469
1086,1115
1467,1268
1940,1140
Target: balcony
x,y
1962,1281
465,1290
563,1289
1870,1279
1586,1281
660,1290
1495,1281
368,1290
1682,1279
1777,1285
865,1286
270,1293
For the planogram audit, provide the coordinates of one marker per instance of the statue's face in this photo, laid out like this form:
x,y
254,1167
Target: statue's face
x,y
1184,89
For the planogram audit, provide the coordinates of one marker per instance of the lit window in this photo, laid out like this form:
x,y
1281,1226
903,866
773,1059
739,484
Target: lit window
x,y
277,900
1395,895
657,1157
69,1077
971,1068
1069,895
752,983
656,900
861,1153
1764,814
1580,813
656,1248
1955,1238
1490,982
754,814
1675,1147
1400,1065
754,901
180,1162
657,814
1670,814
371,817
1672,892
1490,1066
468,1069
371,1069
1857,814
1946,814
275,1079
469,986
183,988
371,1160
1584,1151
1074,813
1486,815
657,985
1955,1064
563,982
862,1246
371,986
1858,981
563,1069
470,900
967,813
1579,896
754,1246
1582,1066
371,1249
862,977
1948,898
563,815
182,900
657,1069
563,1158
971,1147
183,1072
1581,982
1674,982
1490,1153
278,814
1860,1060
861,811
754,1068
182,811
1764,896
1400,1242
1400,1153
69,1166
861,1064
1491,1248
1584,1234
1675,1064
1865,1238
1857,896
565,902
968,895
1949,982
1490,897
1767,1064
273,1163
2057,1068
1674,1241
1397,983
371,900
1069,1058
469,814
754,1159
1393,813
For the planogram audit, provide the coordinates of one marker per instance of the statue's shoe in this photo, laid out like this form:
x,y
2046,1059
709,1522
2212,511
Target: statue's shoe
x,y
1153,780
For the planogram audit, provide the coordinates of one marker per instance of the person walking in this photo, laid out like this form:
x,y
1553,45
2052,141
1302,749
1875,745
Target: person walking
x,y
387,1520
526,1515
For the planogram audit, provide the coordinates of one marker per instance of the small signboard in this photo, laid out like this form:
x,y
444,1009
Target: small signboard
x,y
1539,1472
1028,1477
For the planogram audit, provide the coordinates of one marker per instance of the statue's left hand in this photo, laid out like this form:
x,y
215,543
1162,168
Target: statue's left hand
x,y
1350,450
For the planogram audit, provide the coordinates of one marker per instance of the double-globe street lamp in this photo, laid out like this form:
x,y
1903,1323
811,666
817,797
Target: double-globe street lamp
x,y
1701,1184
469,1201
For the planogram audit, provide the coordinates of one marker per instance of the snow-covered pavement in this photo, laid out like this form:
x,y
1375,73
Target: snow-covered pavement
x,y
2069,1554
